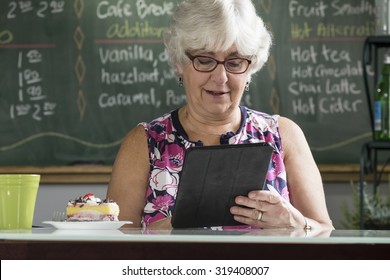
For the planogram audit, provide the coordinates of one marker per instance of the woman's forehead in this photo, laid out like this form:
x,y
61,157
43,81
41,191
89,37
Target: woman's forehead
x,y
229,52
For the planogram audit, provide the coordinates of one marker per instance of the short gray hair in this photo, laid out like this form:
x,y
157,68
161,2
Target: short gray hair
x,y
215,25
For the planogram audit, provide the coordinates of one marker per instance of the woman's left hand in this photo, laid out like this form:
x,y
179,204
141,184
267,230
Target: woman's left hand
x,y
267,210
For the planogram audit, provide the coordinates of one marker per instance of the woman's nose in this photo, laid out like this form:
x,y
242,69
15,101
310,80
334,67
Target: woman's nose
x,y
220,75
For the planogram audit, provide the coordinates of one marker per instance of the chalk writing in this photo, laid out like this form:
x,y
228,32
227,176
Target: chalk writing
x,y
325,76
120,99
126,29
5,37
41,9
332,105
130,53
105,9
120,9
362,7
31,99
334,8
129,77
296,9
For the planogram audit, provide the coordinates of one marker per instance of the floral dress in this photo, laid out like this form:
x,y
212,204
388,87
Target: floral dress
x,y
167,142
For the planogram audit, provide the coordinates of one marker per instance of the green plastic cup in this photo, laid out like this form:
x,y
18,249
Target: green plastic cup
x,y
18,194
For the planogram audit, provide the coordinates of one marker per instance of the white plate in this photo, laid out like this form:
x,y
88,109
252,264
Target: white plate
x,y
105,232
88,225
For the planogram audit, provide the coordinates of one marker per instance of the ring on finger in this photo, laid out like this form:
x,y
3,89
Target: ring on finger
x,y
260,216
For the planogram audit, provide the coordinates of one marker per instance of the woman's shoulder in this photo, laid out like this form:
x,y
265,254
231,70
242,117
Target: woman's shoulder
x,y
139,134
274,120
260,114
160,128
293,136
288,126
261,119
163,120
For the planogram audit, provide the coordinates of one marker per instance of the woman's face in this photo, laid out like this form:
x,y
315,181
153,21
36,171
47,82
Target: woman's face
x,y
213,94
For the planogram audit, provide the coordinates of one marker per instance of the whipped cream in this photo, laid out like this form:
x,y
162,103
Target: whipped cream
x,y
88,199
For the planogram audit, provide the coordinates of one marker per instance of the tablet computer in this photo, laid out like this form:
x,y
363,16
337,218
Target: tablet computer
x,y
211,178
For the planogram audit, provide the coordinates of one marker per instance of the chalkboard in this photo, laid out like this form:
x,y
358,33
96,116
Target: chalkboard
x,y
317,68
76,76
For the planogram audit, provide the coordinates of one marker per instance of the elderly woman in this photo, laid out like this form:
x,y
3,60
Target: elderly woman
x,y
215,47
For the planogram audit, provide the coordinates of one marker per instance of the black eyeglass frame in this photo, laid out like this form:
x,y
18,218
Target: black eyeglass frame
x,y
193,57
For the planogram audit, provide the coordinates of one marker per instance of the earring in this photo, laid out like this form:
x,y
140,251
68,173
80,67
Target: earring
x,y
247,86
180,82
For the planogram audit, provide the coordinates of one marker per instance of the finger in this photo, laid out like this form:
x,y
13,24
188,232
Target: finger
x,y
267,196
250,203
249,221
252,214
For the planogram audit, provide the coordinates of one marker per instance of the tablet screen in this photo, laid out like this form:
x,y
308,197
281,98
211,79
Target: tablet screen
x,y
211,178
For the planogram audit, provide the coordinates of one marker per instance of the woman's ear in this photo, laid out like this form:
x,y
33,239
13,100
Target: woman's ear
x,y
180,69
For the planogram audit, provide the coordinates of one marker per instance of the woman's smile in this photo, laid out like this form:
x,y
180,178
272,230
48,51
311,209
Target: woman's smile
x,y
216,93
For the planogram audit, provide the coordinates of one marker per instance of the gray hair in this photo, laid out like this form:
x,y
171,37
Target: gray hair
x,y
215,25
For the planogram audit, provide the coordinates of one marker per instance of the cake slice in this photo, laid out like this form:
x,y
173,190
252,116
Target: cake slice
x,y
91,208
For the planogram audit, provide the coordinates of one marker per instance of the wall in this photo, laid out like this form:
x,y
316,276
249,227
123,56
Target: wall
x,y
54,198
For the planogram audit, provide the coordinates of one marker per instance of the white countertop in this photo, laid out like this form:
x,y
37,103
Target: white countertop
x,y
200,235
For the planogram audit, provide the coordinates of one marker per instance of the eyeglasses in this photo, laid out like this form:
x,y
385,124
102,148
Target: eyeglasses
x,y
208,64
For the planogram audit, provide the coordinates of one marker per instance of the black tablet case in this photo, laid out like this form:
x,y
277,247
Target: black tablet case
x,y
212,176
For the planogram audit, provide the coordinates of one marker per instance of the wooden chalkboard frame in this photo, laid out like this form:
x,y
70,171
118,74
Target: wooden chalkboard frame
x,y
91,174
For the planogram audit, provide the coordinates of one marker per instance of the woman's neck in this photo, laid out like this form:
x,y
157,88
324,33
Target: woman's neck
x,y
208,130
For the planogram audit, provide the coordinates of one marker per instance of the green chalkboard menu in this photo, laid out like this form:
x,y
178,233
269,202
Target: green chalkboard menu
x,y
76,76
318,82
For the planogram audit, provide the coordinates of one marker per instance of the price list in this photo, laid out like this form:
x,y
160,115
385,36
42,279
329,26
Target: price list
x,y
31,100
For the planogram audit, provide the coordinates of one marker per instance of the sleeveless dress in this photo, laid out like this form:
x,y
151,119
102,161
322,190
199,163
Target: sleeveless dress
x,y
167,142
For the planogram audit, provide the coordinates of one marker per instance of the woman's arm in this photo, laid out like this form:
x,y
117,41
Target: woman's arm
x,y
129,178
303,177
307,205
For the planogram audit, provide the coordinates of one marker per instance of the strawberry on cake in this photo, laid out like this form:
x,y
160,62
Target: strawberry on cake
x,y
91,208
